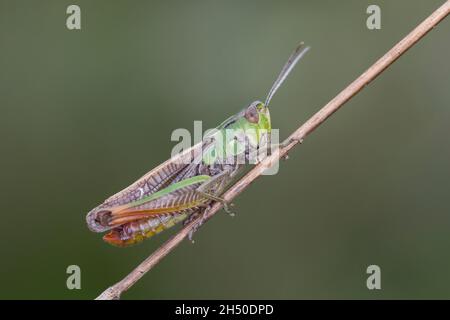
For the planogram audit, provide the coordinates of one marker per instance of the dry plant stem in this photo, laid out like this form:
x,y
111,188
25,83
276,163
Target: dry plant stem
x,y
378,67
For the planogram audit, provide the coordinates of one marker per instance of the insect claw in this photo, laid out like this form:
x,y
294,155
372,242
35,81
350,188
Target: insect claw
x,y
292,140
226,208
190,237
289,142
197,225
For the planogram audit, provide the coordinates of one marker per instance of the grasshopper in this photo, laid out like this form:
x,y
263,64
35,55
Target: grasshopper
x,y
184,186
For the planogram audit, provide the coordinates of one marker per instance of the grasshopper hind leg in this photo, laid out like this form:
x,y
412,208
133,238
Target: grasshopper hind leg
x,y
194,216
135,232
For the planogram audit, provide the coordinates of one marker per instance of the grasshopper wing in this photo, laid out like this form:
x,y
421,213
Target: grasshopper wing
x,y
174,199
153,181
152,214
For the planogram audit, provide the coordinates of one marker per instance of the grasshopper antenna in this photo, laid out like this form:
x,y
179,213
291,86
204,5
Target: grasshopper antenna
x,y
287,68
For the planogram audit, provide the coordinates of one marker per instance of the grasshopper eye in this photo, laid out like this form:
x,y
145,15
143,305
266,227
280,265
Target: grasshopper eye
x,y
251,114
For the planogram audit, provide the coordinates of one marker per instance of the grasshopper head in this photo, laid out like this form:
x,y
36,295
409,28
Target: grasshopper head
x,y
256,118
257,114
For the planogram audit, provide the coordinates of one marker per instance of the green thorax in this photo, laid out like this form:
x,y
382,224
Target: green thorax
x,y
247,130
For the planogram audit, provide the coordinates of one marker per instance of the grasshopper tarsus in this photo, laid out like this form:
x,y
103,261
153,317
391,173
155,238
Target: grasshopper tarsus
x,y
226,208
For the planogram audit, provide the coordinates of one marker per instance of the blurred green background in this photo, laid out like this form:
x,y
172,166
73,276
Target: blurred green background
x,y
85,113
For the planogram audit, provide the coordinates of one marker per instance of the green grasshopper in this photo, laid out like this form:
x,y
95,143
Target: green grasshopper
x,y
188,183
